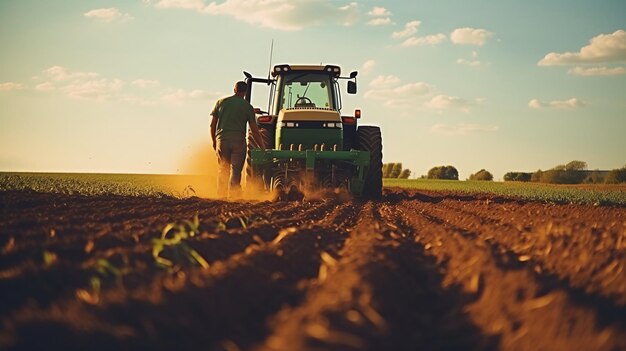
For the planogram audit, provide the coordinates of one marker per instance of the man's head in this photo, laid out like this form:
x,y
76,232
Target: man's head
x,y
241,88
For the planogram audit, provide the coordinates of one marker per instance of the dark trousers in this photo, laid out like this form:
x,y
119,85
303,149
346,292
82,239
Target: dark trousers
x,y
231,155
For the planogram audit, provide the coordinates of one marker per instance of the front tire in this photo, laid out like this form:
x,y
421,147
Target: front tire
x,y
370,139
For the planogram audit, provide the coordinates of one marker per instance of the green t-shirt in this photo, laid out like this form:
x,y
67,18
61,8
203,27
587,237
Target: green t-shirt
x,y
232,114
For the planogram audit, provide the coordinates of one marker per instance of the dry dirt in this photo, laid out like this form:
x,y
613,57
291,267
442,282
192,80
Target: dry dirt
x,y
417,270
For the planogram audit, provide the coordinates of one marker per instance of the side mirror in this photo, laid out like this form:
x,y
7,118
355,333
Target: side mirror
x,y
351,87
353,74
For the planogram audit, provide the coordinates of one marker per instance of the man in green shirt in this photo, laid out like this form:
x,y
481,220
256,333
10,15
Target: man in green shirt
x,y
228,132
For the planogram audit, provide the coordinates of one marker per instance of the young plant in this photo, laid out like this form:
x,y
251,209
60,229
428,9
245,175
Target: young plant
x,y
173,239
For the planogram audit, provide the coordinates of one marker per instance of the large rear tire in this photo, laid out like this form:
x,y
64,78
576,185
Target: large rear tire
x,y
370,139
255,177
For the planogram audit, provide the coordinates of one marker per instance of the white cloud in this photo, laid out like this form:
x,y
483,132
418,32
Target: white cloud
x,y
381,15
390,90
409,29
379,21
8,86
96,89
179,96
471,63
379,12
58,73
145,83
382,81
470,36
368,66
93,86
604,48
83,85
446,102
426,40
597,71
45,86
570,104
108,15
461,129
287,15
197,5
419,95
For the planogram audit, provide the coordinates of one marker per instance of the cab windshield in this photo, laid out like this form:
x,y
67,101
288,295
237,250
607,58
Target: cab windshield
x,y
305,90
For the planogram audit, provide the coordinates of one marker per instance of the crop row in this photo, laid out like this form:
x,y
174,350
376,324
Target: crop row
x,y
594,195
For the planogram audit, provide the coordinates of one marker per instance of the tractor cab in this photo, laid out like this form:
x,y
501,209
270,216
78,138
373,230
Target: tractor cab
x,y
305,107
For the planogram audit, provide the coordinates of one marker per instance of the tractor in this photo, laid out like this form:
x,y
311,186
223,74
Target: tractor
x,y
309,144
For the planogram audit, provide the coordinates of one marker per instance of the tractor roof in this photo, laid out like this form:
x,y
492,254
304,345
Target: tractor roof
x,y
328,69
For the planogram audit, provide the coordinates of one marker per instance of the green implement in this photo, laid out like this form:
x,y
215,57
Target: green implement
x,y
312,160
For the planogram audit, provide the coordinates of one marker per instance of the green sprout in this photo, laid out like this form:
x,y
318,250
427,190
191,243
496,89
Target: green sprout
x,y
49,258
173,238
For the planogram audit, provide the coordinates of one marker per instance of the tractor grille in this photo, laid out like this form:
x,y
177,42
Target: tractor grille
x,y
310,108
311,124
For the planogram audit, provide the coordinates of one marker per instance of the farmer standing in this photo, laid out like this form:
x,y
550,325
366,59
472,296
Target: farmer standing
x,y
228,132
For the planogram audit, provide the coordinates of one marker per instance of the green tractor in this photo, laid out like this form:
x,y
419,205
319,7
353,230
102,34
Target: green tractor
x,y
309,144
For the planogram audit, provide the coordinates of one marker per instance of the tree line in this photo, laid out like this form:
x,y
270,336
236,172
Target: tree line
x,y
395,170
574,172
451,173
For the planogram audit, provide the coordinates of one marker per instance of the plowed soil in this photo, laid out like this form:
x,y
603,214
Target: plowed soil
x,y
417,270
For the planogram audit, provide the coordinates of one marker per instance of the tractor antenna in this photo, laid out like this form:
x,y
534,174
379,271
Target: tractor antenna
x,y
269,70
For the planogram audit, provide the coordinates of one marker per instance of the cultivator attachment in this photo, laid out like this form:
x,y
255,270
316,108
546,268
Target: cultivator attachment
x,y
292,173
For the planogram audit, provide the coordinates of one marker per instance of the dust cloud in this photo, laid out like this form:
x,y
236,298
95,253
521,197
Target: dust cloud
x,y
200,177
200,173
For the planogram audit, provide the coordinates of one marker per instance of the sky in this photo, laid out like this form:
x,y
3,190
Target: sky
x,y
127,86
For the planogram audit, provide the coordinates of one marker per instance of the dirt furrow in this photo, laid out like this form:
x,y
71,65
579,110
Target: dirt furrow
x,y
583,246
31,279
379,293
509,300
227,303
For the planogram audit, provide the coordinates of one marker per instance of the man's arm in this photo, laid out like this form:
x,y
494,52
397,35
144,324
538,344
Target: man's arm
x,y
256,134
213,129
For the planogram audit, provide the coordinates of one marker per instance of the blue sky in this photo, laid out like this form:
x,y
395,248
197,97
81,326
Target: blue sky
x,y
126,86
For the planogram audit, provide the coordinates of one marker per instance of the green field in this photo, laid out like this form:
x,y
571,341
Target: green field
x,y
583,194
108,184
182,186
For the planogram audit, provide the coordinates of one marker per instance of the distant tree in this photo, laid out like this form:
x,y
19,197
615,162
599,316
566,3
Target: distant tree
x,y
576,166
571,173
405,174
443,172
594,178
450,172
616,176
517,177
551,176
482,175
396,170
387,169
536,176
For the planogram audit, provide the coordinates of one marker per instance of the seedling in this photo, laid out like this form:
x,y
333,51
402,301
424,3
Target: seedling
x,y
173,239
